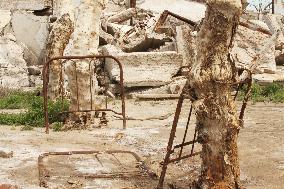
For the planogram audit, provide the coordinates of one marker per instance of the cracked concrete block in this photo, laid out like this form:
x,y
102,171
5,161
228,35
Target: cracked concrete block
x,y
274,23
143,69
5,19
32,32
247,44
185,41
13,69
25,4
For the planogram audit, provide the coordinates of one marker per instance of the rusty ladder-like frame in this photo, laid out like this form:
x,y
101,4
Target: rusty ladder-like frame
x,y
92,58
171,148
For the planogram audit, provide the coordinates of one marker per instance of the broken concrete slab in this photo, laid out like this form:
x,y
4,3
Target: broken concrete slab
x,y
275,24
25,4
5,16
142,69
32,32
13,69
268,78
185,41
123,16
175,87
247,44
196,13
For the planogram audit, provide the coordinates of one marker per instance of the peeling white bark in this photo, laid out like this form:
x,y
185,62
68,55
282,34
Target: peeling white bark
x,y
85,42
211,78
57,42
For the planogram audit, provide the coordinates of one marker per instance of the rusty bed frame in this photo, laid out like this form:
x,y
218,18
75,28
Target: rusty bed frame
x,y
92,59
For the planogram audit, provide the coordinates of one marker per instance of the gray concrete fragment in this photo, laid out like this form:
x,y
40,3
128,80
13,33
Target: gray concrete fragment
x,y
5,16
186,44
274,23
143,69
25,4
13,70
32,32
34,70
123,16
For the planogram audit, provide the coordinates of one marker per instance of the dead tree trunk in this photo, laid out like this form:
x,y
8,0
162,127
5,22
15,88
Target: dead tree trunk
x,y
211,77
57,41
85,42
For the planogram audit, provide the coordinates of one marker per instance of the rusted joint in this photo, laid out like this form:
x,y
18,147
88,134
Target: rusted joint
x,y
164,16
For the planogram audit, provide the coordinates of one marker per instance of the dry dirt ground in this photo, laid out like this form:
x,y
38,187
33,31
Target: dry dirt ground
x,y
261,150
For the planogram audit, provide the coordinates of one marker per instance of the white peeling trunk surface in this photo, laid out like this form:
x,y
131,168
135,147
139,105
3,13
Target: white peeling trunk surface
x,y
58,39
86,42
211,77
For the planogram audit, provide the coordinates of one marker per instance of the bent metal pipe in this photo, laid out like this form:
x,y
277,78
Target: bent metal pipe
x,y
72,58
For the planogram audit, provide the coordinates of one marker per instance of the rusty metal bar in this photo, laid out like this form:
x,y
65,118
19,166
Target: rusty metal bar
x,y
72,58
164,16
91,84
184,157
182,145
43,172
77,87
171,140
246,99
186,129
132,5
98,110
194,141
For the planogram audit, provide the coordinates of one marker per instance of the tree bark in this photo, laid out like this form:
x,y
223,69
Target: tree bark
x,y
86,42
210,78
57,42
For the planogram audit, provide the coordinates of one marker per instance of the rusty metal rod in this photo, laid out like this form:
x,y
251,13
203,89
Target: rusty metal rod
x,y
184,157
43,174
97,110
186,129
171,140
164,16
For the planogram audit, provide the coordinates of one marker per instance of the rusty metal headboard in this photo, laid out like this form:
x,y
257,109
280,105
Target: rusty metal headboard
x,y
72,58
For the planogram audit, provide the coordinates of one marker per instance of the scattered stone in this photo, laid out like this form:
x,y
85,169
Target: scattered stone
x,y
34,70
6,155
32,31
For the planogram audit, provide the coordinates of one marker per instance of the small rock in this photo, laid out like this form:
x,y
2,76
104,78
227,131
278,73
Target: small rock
x,y
34,70
6,155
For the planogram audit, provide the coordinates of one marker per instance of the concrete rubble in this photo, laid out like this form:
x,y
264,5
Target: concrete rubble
x,y
154,60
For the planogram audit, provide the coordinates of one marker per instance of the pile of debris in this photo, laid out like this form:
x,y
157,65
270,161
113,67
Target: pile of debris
x,y
155,42
23,35
157,47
